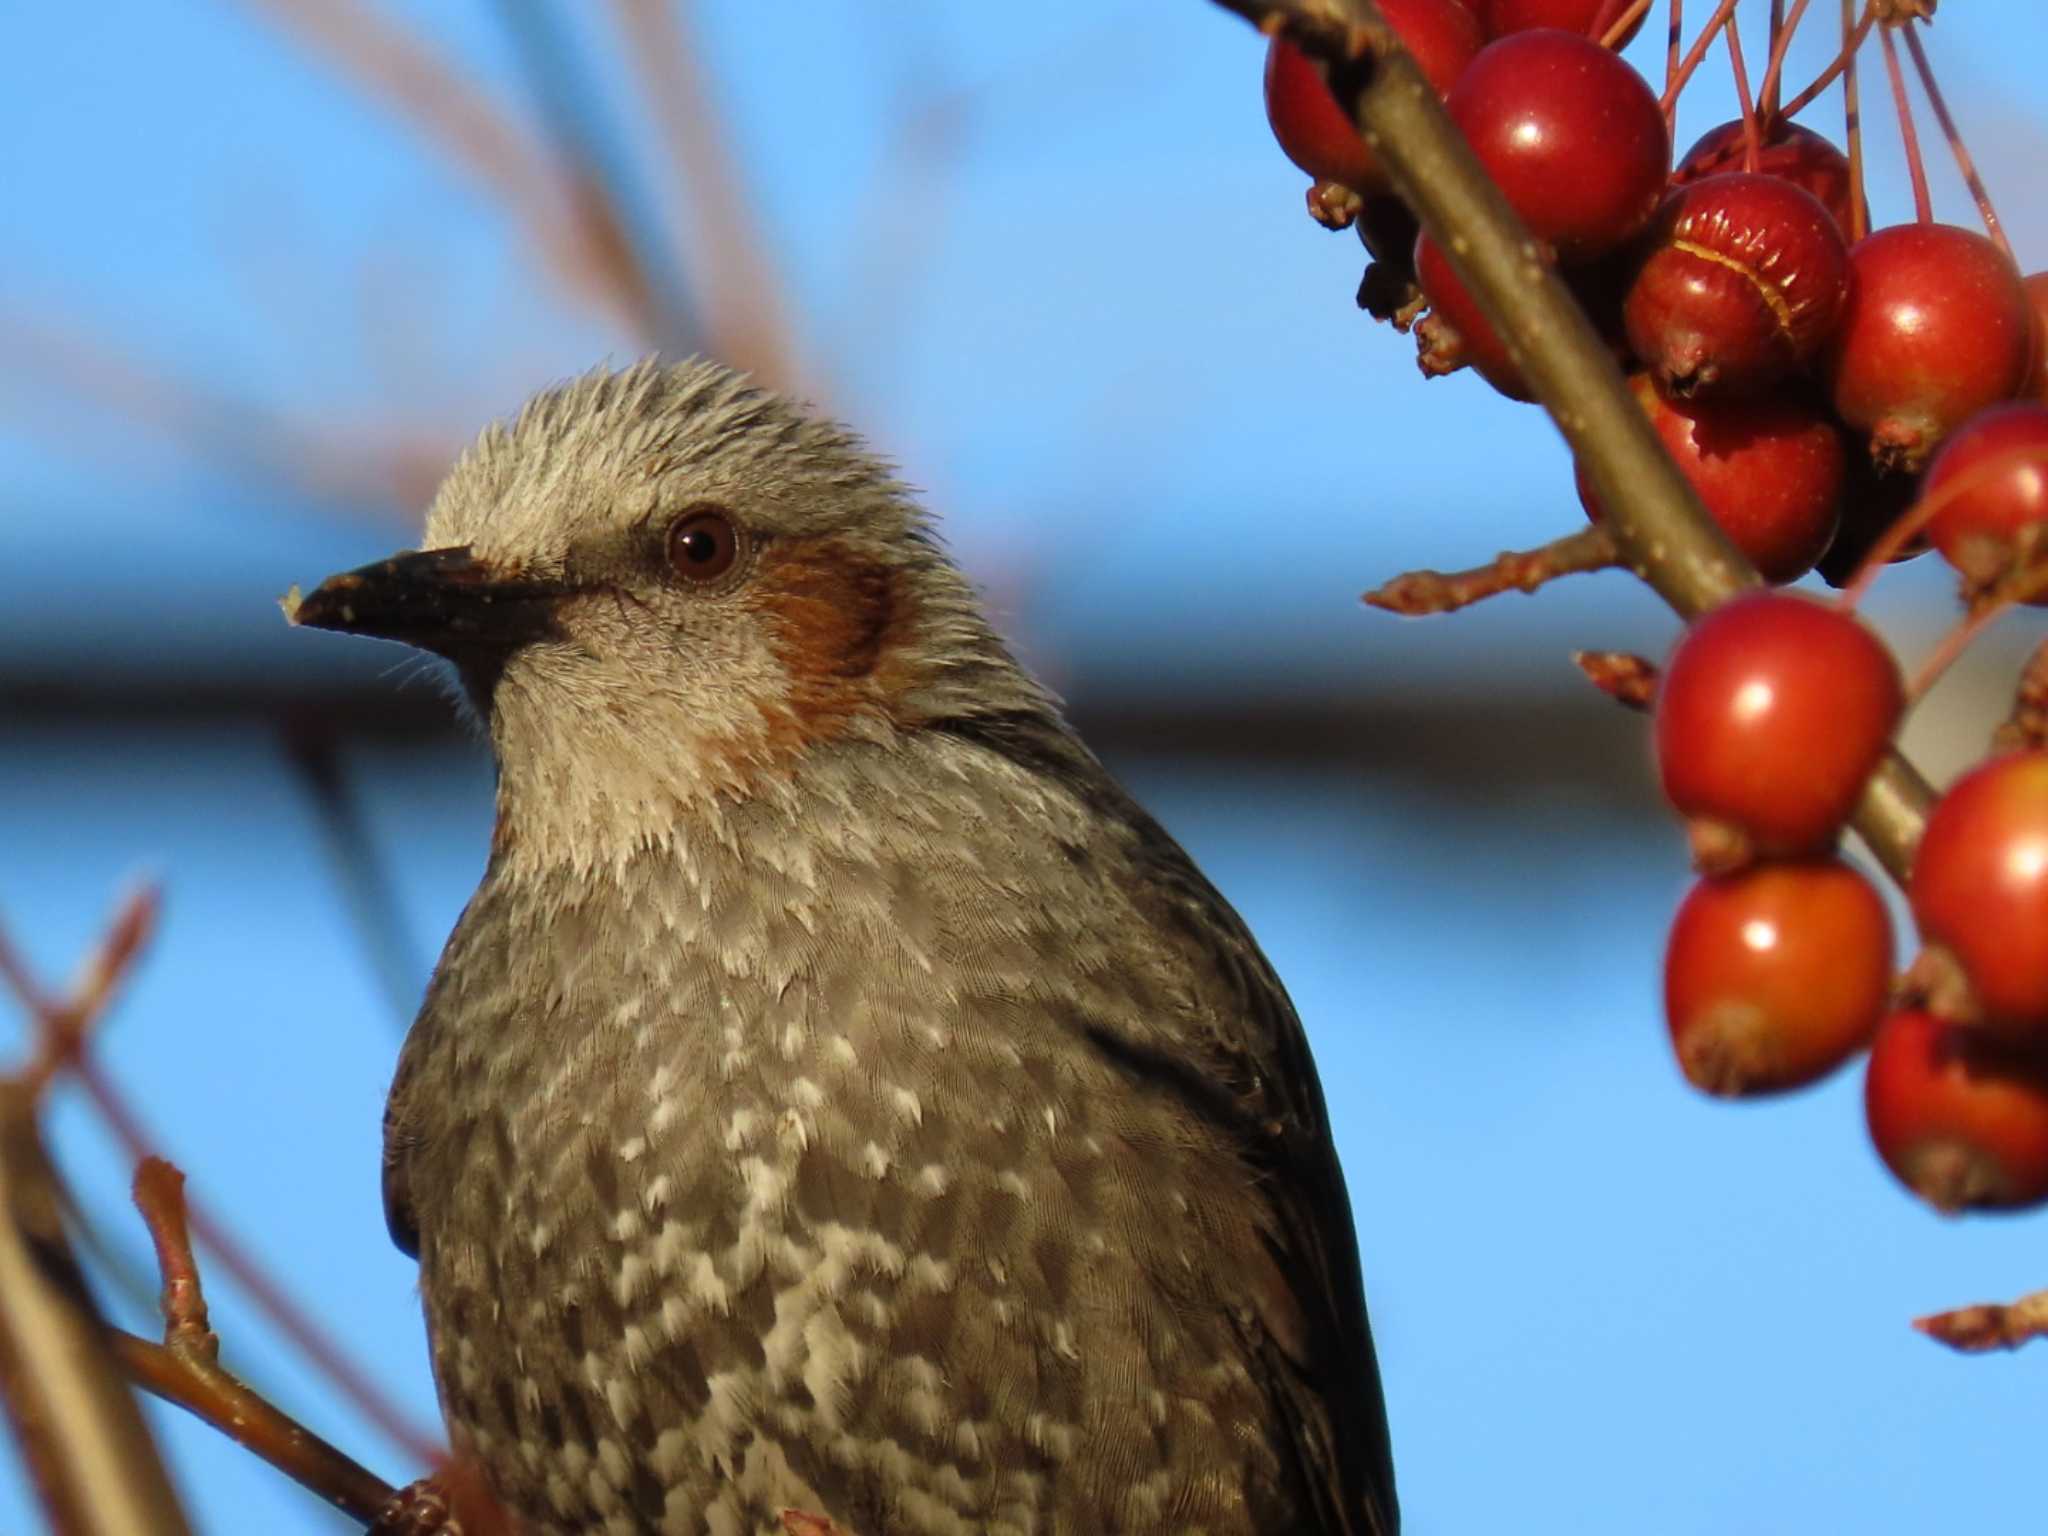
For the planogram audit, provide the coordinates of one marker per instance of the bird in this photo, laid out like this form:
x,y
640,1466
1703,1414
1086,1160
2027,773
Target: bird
x,y
839,1102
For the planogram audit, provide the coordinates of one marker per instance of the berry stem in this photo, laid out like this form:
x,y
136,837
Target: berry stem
x,y
1923,203
1612,34
1752,134
1678,81
1964,163
1774,67
1925,510
1671,43
1852,116
2027,581
1514,570
1844,62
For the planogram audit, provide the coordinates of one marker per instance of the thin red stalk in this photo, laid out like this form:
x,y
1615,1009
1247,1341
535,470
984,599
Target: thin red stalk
x,y
2018,589
1955,142
1611,37
1852,116
1925,510
1677,84
1671,41
1923,203
1844,62
1752,134
1774,67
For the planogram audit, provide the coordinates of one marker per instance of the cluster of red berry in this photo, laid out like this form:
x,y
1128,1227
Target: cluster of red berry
x,y
1838,397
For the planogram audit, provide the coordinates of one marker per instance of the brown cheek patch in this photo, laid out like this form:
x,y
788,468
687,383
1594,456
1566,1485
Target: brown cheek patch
x,y
842,626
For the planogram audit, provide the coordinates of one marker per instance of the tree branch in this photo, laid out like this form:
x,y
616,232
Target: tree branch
x,y
79,1429
185,1368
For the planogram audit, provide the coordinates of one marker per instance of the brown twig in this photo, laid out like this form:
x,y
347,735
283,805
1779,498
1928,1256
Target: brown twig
x,y
1628,679
81,1434
745,318
560,222
1420,592
63,1037
215,424
1989,1325
185,1368
1665,535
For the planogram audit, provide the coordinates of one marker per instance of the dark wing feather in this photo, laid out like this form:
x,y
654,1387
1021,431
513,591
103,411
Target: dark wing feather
x,y
1257,1086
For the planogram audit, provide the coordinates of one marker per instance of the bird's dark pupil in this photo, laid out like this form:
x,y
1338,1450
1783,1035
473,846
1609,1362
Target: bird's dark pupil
x,y
699,546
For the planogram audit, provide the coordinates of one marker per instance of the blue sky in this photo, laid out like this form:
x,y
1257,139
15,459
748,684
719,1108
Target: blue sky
x,y
1094,326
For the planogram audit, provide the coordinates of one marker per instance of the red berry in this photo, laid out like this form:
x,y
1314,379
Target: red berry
x,y
1774,710
1776,976
1979,530
1980,887
1873,499
2036,285
1589,18
1318,134
1743,283
1937,327
1571,133
1788,152
1962,1121
1769,469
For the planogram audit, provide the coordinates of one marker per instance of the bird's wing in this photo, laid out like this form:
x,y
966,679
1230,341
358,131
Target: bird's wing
x,y
1251,1077
1246,1071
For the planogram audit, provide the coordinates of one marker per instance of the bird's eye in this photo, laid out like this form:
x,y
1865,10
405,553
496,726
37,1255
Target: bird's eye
x,y
703,544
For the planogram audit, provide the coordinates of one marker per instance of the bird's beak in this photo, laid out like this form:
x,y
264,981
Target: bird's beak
x,y
443,600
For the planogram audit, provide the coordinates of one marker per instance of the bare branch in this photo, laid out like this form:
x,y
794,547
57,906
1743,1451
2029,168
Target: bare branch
x,y
1514,570
92,1458
746,319
1626,678
185,1369
1974,1330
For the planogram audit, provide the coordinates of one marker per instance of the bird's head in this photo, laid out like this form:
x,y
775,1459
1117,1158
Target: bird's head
x,y
663,586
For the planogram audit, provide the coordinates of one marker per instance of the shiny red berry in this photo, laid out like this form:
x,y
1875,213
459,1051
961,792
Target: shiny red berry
x,y
1572,134
1994,514
1776,976
1959,1118
2036,284
1318,134
1979,888
1788,151
1770,470
1936,328
1774,710
1742,283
